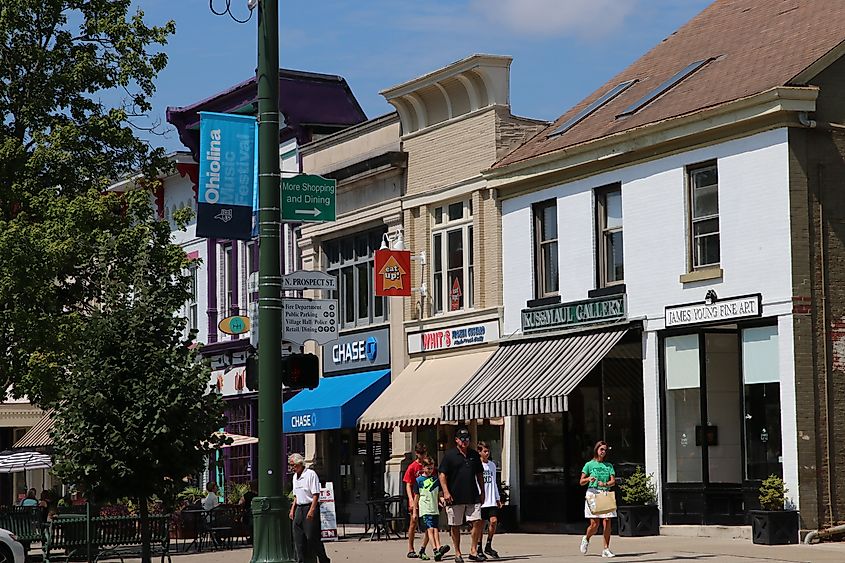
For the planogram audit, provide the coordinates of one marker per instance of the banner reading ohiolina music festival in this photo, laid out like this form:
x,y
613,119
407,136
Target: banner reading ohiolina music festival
x,y
227,177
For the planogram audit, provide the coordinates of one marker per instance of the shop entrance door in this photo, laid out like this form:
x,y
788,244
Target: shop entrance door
x,y
706,398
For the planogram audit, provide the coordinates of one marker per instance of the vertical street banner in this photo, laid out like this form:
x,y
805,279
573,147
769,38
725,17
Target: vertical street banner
x,y
393,273
227,175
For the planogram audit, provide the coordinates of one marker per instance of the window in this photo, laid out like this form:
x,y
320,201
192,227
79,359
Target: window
x,y
704,216
611,265
761,380
351,261
227,281
193,305
453,257
546,273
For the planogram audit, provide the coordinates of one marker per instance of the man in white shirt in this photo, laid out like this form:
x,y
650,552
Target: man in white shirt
x,y
211,500
305,513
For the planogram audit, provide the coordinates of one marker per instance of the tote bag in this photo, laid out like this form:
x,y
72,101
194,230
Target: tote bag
x,y
602,502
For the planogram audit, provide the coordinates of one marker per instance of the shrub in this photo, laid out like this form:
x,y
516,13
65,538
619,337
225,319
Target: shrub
x,y
773,493
191,495
639,488
236,491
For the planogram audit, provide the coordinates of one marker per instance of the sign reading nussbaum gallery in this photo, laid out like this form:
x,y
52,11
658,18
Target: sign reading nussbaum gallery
x,y
562,315
227,176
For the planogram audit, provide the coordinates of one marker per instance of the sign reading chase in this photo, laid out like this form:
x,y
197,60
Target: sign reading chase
x,y
303,421
362,351
563,315
714,311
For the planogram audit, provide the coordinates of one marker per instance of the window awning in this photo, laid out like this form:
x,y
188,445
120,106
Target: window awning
x,y
530,376
39,435
336,403
416,396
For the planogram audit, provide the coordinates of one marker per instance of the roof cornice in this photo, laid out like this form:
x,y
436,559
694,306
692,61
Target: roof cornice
x,y
652,139
459,67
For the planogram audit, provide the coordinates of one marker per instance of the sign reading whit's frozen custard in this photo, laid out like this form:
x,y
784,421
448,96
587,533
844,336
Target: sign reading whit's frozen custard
x,y
562,315
227,175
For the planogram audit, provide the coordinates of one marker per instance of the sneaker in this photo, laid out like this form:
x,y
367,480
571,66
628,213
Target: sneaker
x,y
412,555
479,556
444,549
423,555
585,543
459,559
438,555
607,553
491,552
474,557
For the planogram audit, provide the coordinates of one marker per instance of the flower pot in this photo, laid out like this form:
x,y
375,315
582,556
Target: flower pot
x,y
774,527
638,521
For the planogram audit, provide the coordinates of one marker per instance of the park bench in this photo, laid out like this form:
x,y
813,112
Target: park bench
x,y
111,537
27,523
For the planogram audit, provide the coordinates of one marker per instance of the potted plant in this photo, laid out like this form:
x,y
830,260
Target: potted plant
x,y
773,525
638,512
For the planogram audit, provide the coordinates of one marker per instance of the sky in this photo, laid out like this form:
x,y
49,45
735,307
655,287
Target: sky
x,y
562,49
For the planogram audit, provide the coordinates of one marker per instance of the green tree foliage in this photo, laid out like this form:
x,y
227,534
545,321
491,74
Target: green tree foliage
x,y
61,146
136,415
773,493
639,489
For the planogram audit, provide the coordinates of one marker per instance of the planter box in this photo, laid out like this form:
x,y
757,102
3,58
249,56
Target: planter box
x,y
774,527
639,521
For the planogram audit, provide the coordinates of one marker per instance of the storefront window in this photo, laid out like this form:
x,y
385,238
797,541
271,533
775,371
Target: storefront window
x,y
683,408
760,376
724,428
544,450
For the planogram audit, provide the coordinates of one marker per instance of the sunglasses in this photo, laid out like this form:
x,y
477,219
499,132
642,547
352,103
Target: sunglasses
x,y
463,438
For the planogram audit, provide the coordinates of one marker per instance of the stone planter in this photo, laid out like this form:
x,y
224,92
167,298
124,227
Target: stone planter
x,y
774,527
638,521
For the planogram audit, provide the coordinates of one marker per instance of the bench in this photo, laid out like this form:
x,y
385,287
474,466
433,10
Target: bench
x,y
111,537
26,522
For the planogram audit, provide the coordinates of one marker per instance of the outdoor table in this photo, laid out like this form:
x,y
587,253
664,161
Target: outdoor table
x,y
197,520
381,513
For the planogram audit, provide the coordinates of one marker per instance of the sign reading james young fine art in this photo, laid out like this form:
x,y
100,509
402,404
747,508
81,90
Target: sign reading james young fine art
x,y
713,311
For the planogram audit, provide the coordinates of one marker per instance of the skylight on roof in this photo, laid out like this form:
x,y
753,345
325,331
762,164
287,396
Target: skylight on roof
x,y
578,117
677,77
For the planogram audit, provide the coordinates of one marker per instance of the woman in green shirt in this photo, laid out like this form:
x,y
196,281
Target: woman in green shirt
x,y
598,475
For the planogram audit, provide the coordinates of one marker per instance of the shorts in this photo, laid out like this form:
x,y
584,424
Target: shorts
x,y
456,513
429,521
488,512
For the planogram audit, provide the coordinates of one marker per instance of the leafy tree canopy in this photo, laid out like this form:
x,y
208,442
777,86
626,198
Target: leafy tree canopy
x,y
61,146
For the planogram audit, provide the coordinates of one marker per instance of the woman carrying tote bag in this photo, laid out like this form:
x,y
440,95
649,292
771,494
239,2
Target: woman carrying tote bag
x,y
600,500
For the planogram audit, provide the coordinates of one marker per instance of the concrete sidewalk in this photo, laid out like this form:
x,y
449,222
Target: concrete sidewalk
x,y
564,548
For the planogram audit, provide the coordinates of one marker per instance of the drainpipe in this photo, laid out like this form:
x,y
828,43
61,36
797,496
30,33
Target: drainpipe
x,y
817,535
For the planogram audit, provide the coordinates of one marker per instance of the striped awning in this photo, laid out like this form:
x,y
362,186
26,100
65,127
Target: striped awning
x,y
530,376
39,435
237,439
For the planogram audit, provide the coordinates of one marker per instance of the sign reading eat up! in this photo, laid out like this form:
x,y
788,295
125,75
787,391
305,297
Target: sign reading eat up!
x,y
393,273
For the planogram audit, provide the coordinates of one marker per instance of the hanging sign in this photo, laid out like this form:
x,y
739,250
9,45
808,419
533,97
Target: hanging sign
x,y
234,325
308,198
227,176
393,273
455,295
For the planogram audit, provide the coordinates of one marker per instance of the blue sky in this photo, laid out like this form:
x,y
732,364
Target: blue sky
x,y
562,49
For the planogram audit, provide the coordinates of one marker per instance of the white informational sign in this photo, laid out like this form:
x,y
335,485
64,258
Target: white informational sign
x,y
308,279
328,513
310,319
453,337
720,310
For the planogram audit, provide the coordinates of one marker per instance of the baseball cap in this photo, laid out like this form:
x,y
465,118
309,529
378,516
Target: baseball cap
x,y
462,434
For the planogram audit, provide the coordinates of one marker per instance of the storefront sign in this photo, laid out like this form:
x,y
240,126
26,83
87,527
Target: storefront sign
x,y
302,422
716,310
393,273
226,176
362,351
310,319
234,325
457,337
562,315
308,279
328,513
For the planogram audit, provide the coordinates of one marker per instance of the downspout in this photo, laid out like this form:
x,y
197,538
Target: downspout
x,y
817,535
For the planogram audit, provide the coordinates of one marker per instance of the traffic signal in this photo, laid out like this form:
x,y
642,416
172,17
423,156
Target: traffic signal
x,y
252,372
300,371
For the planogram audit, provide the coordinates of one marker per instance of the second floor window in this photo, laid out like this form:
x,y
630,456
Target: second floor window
x,y
193,304
546,271
704,215
452,257
227,280
610,259
351,261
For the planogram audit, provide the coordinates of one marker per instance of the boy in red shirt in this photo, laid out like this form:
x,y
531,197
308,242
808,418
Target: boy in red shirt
x,y
410,479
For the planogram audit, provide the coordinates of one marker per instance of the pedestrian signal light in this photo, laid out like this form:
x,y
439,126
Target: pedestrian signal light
x,y
301,371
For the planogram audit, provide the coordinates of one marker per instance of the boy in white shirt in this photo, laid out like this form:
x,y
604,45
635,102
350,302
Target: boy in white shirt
x,y
492,500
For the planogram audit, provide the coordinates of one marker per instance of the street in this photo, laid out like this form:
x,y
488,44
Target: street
x,y
553,547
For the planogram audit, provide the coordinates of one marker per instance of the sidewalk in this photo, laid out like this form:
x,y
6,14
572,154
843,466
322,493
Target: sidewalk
x,y
564,548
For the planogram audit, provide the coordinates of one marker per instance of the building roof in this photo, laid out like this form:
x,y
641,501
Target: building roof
x,y
750,46
306,99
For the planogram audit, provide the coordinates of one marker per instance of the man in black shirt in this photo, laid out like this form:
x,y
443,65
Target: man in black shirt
x,y
462,481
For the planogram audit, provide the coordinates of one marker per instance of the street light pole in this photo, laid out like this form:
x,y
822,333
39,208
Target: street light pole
x,y
271,526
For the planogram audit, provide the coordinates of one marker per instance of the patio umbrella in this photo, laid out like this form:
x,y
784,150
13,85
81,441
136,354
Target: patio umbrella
x,y
237,439
15,462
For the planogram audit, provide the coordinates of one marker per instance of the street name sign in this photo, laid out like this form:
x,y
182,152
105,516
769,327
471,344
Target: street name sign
x,y
310,319
308,198
308,279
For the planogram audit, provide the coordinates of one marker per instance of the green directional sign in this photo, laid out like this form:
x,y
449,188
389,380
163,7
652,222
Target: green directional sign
x,y
308,198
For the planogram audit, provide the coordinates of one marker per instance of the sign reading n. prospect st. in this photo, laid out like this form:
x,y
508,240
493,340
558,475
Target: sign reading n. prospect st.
x,y
308,198
310,319
308,279
564,315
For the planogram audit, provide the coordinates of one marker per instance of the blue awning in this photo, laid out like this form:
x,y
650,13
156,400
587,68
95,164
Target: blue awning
x,y
336,403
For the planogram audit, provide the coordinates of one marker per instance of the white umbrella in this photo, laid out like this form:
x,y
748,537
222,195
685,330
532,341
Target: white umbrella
x,y
23,461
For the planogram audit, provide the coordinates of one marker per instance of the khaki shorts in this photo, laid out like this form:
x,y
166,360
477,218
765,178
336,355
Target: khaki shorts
x,y
456,513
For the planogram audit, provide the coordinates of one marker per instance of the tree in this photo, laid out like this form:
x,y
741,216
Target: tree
x,y
61,146
136,415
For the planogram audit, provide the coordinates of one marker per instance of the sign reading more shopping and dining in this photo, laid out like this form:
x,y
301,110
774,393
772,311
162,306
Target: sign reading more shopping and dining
x,y
563,315
453,337
714,310
308,198
393,273
310,319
